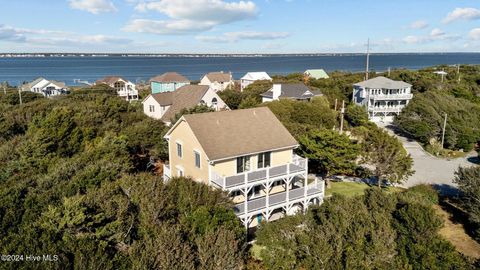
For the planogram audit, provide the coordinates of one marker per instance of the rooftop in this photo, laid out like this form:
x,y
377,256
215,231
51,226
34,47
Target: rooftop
x,y
317,73
293,90
383,83
219,77
239,132
170,77
254,76
110,80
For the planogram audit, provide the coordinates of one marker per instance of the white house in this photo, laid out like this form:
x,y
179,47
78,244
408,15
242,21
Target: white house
x,y
251,77
218,81
166,105
45,87
124,88
384,98
296,91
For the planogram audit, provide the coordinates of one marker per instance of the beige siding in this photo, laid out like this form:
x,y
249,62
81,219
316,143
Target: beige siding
x,y
184,135
229,167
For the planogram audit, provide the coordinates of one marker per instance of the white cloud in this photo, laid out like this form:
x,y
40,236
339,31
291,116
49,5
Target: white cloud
x,y
166,27
474,34
187,16
230,37
93,6
435,35
419,24
462,14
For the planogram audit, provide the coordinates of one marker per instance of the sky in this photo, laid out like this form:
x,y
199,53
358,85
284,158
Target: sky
x,y
239,26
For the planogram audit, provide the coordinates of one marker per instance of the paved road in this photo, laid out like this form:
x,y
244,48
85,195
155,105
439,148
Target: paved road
x,y
429,169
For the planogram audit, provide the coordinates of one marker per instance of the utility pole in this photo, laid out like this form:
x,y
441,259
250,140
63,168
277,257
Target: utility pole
x,y
368,60
342,111
443,132
335,104
20,95
4,84
458,72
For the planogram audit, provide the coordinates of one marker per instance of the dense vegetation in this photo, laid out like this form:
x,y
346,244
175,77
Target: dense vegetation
x,y
468,181
75,182
375,231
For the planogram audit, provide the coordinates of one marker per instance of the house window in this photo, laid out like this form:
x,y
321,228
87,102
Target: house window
x,y
264,160
179,150
180,173
214,102
151,108
197,159
235,193
243,164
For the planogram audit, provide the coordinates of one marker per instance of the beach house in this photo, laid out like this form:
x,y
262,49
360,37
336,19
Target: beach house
x,y
218,81
123,87
166,105
296,91
251,77
48,88
382,97
167,82
247,153
315,74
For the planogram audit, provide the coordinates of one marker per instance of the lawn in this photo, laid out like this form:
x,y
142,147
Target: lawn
x,y
351,189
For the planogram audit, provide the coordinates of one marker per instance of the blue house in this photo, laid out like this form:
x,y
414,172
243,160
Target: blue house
x,y
167,82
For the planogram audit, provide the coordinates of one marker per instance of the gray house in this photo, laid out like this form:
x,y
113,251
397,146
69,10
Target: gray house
x,y
297,91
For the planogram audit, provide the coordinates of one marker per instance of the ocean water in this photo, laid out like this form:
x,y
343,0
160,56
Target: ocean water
x,y
16,70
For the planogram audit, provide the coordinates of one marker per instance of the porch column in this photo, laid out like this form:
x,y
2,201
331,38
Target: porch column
x,y
267,185
246,195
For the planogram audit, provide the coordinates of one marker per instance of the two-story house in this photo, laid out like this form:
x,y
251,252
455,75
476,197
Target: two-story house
x,y
383,98
47,88
166,105
167,82
218,81
296,91
123,87
251,77
249,154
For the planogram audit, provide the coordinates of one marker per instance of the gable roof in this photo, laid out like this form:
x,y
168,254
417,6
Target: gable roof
x,y
317,73
256,76
186,96
169,77
238,132
293,90
383,83
110,80
219,77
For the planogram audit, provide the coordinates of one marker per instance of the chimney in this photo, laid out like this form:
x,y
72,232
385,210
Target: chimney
x,y
277,91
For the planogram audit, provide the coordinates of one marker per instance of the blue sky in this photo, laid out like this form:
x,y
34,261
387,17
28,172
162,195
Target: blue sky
x,y
234,26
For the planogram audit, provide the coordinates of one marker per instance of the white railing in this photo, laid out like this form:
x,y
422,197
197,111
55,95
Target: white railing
x,y
124,93
386,109
298,165
167,173
391,96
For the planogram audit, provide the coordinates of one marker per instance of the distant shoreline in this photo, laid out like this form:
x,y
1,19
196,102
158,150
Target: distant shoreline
x,y
20,55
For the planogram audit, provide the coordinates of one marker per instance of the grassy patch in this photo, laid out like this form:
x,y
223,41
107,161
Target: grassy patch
x,y
255,251
351,189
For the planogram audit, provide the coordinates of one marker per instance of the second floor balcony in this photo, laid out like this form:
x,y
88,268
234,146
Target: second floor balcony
x,y
395,109
296,167
391,96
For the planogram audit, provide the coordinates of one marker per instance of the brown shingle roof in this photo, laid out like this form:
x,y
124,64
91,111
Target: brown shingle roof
x,y
186,96
164,99
169,77
219,77
234,133
110,80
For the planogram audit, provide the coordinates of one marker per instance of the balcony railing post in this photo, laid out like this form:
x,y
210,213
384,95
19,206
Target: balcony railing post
x,y
246,197
267,192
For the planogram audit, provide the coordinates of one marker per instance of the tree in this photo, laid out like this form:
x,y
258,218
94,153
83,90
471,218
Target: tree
x,y
468,181
386,155
356,115
232,98
329,151
202,108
